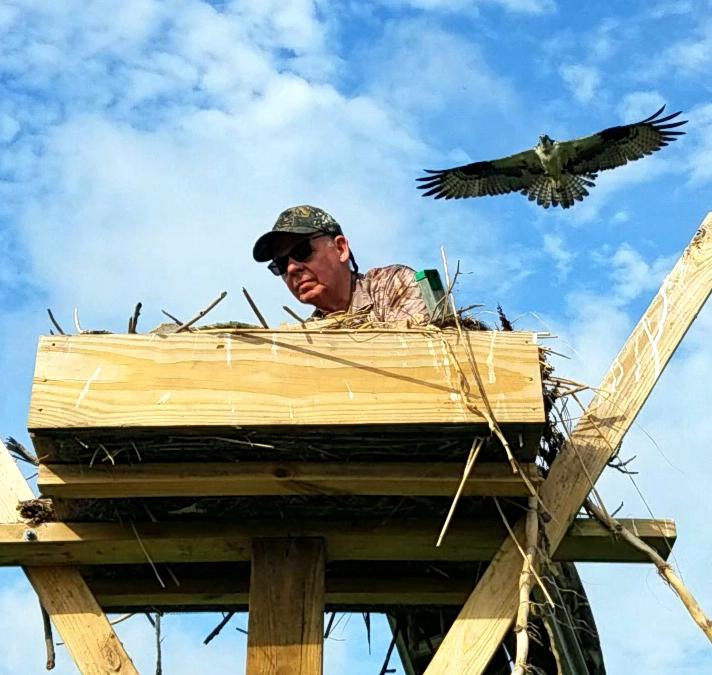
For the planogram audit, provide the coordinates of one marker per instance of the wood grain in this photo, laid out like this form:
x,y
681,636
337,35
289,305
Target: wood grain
x,y
206,479
81,622
286,622
264,378
489,611
467,540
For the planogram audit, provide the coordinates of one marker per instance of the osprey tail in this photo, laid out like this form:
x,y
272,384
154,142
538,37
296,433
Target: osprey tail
x,y
563,192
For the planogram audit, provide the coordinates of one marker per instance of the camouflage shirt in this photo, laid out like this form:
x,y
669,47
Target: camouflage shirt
x,y
386,295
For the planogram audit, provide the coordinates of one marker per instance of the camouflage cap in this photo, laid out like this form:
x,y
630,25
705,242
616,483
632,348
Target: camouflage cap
x,y
302,219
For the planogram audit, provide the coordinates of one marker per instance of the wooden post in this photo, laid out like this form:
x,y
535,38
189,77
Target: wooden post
x,y
286,624
489,611
86,631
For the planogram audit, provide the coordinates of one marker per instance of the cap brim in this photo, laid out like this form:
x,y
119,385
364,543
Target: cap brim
x,y
264,247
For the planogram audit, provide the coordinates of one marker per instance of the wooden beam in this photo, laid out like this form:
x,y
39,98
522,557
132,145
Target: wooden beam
x,y
206,479
262,378
399,539
286,624
86,631
209,592
490,609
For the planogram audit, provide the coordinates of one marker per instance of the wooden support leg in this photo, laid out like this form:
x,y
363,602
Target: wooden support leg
x,y
489,611
286,624
81,622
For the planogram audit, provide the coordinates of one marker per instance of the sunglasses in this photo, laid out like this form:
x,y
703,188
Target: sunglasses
x,y
301,252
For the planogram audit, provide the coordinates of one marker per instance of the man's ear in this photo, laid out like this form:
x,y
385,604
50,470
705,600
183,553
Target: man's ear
x,y
341,244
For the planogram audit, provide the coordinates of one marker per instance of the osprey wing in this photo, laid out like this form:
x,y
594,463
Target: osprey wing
x,y
617,146
497,177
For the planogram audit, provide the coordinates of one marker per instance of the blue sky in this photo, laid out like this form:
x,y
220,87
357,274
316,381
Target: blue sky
x,y
144,145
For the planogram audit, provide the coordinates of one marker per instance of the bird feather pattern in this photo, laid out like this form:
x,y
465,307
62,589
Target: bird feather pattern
x,y
555,173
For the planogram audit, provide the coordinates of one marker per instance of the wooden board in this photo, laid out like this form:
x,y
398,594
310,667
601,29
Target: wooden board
x,y
262,378
407,539
285,633
206,479
217,593
86,631
490,610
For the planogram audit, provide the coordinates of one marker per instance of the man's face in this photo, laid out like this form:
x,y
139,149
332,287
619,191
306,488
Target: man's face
x,y
319,279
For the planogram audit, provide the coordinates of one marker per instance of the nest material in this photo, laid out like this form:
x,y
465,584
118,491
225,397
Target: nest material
x,y
37,511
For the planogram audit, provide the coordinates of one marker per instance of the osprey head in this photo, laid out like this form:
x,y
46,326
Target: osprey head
x,y
545,143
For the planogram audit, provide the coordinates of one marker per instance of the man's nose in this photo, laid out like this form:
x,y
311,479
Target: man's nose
x,y
293,266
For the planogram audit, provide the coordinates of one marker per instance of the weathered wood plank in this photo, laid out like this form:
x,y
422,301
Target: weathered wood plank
x,y
270,378
69,481
490,609
86,631
406,539
286,622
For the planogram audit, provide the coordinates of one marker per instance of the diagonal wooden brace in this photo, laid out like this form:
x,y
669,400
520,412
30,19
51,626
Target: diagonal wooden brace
x,y
490,610
70,604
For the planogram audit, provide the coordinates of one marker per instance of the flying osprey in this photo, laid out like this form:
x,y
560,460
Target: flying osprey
x,y
555,173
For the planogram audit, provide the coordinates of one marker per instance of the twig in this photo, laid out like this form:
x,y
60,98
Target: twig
x,y
329,624
54,322
49,640
664,568
385,669
622,465
294,315
133,320
109,456
20,451
145,552
462,310
216,631
138,454
122,618
171,317
159,665
77,325
521,627
257,312
477,444
489,414
539,580
503,320
238,441
367,620
201,314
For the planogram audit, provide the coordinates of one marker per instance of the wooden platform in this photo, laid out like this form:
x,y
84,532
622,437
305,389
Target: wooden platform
x,y
201,458
175,466
185,449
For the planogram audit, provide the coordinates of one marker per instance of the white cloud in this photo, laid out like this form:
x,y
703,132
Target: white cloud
x,y
443,75
638,105
640,620
470,6
692,54
527,6
664,9
563,256
632,275
22,645
582,81
700,167
620,183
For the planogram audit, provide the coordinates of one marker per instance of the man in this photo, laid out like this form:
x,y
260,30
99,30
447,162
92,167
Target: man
x,y
308,249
